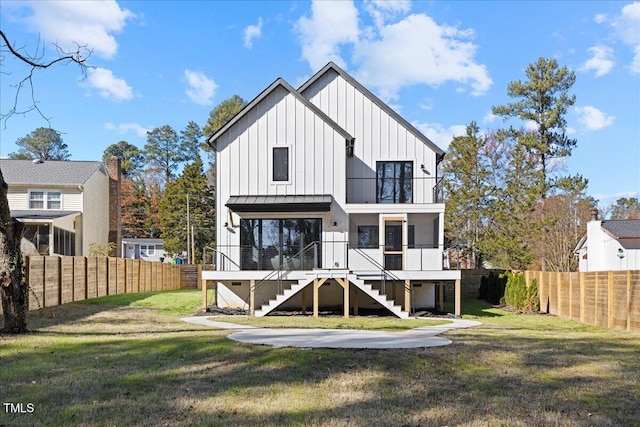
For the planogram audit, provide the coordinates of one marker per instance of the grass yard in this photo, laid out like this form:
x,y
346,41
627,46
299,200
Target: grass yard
x,y
129,360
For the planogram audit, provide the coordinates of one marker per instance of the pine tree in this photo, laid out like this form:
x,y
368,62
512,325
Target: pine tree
x,y
173,211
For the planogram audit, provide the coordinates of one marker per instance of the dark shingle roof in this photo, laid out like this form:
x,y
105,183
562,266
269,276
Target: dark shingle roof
x,y
623,228
49,172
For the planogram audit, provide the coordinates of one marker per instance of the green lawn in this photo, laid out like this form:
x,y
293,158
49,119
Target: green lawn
x,y
129,360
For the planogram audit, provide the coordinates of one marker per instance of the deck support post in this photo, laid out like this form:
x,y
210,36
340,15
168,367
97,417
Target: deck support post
x,y
345,291
457,296
252,297
407,295
441,296
204,295
316,286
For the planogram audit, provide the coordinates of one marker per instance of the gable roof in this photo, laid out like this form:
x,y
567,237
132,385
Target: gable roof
x,y
622,228
373,98
280,82
49,172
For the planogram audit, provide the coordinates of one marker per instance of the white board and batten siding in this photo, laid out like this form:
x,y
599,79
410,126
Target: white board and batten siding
x,y
378,135
245,155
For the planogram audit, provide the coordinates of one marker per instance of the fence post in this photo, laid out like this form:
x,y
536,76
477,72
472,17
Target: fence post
x,y
610,301
582,296
629,301
558,294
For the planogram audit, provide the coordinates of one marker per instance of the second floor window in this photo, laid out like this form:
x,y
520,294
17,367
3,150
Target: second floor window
x,y
45,200
281,163
394,182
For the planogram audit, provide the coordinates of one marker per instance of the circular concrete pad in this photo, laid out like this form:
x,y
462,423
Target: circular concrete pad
x,y
424,336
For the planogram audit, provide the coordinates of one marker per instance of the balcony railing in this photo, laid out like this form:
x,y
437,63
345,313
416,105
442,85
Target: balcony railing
x,y
325,254
394,190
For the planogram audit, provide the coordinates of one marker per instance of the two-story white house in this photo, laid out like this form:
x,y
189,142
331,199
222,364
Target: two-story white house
x,y
327,198
609,245
63,204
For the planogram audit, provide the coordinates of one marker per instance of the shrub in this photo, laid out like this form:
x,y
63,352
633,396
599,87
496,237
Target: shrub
x,y
492,287
520,296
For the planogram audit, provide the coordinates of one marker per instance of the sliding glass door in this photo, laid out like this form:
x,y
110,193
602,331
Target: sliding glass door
x,y
290,244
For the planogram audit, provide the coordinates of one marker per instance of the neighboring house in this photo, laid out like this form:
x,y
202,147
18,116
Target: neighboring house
x,y
327,198
63,204
146,249
610,245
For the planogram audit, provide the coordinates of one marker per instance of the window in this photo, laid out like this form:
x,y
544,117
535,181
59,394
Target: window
x,y
281,163
148,250
394,182
368,236
37,200
290,244
64,242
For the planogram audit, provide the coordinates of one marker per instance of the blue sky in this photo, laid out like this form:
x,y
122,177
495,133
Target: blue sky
x,y
439,64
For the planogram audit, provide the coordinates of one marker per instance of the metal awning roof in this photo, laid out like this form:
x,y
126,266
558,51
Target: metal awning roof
x,y
289,203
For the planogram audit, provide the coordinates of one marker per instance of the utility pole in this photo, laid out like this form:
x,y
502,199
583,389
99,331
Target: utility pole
x,y
188,230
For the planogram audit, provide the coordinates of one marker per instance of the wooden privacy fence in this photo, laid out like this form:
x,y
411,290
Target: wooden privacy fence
x,y
603,298
56,280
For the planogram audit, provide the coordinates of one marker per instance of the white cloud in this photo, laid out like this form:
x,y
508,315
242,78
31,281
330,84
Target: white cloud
x,y
592,118
252,32
382,10
331,25
90,23
440,135
409,51
123,128
416,50
489,118
600,18
200,88
531,125
600,60
626,27
108,85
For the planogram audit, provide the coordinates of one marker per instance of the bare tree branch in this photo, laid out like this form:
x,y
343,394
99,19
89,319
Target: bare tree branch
x,y
79,57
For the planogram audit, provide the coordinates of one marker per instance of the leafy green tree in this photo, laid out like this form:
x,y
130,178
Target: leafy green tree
x,y
190,140
221,114
42,143
131,158
467,188
626,208
544,100
162,150
192,184
511,226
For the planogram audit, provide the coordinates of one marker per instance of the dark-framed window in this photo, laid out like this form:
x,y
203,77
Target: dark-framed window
x,y
394,182
281,163
368,236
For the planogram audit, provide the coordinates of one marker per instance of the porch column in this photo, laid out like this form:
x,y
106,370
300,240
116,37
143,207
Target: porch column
x,y
457,298
441,296
304,301
252,297
407,295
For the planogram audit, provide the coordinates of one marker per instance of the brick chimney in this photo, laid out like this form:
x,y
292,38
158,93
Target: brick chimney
x,y
115,217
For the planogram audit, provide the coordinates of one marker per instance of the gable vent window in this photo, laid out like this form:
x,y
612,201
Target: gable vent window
x,y
281,163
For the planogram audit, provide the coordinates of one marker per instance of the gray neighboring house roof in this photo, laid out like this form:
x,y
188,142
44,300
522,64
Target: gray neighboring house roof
x,y
622,228
142,241
49,172
383,106
45,214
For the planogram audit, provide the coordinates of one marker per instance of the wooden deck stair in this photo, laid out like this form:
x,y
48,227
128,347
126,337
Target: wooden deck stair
x,y
353,279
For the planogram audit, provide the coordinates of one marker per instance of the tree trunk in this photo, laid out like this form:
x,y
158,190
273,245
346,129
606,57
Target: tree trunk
x,y
13,290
